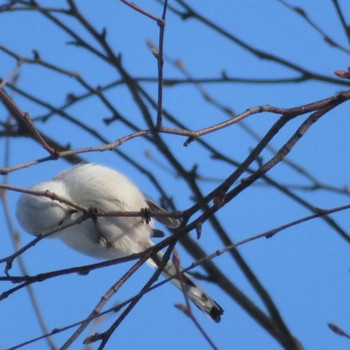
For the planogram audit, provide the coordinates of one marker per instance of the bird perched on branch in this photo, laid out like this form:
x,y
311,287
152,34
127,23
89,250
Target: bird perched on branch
x,y
104,237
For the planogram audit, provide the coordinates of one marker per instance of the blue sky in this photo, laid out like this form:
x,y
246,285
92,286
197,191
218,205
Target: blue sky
x,y
305,269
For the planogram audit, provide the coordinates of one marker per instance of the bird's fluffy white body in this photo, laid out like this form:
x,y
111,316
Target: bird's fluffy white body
x,y
97,186
94,186
89,186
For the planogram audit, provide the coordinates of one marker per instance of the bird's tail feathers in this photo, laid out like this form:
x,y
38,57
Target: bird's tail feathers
x,y
193,291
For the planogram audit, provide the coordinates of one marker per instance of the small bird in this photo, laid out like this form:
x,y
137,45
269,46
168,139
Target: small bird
x,y
104,237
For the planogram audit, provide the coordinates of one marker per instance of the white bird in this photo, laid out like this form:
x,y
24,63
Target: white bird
x,y
96,186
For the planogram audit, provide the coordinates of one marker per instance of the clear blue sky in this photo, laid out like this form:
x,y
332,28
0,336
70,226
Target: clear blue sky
x,y
306,269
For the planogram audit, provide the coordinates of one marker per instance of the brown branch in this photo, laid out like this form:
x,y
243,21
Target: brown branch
x,y
107,334
303,14
342,19
16,240
104,299
186,309
231,114
321,107
24,119
191,13
160,59
268,234
11,75
140,10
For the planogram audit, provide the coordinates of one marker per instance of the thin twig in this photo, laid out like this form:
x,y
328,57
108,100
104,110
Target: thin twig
x,y
140,10
24,118
11,75
342,19
187,310
104,300
15,240
191,13
303,14
106,335
160,59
